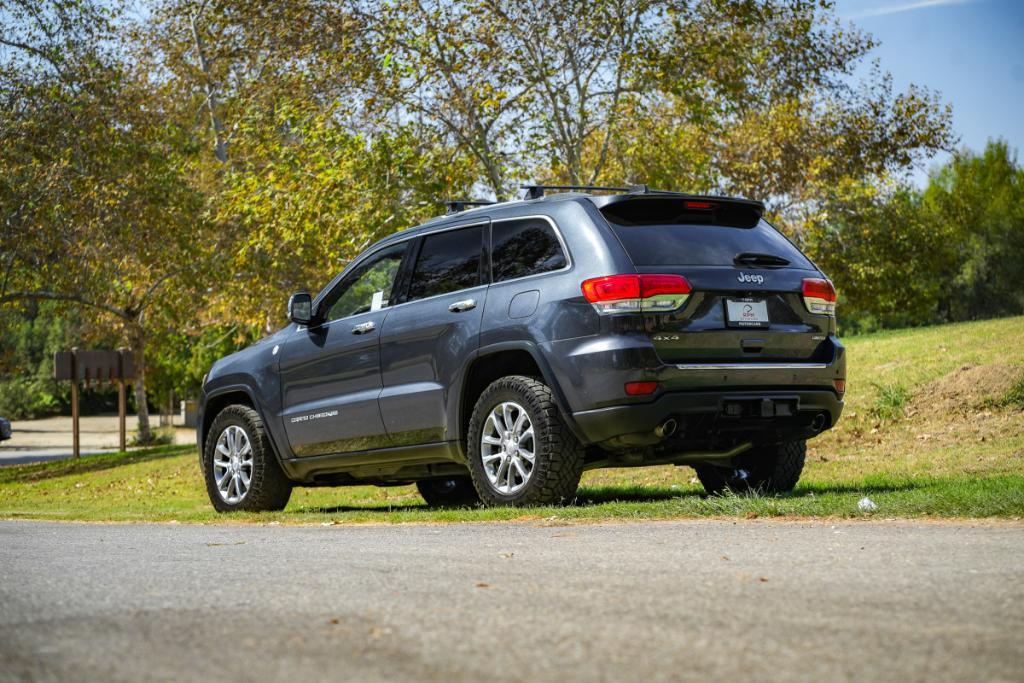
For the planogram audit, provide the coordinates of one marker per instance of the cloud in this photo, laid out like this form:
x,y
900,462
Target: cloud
x,y
907,7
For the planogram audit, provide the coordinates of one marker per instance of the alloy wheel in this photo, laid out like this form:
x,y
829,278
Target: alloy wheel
x,y
233,465
508,447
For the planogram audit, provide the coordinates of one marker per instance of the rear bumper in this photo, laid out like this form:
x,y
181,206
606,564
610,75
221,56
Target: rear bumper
x,y
749,414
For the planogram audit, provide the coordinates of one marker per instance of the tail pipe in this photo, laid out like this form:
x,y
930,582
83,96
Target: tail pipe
x,y
666,428
818,423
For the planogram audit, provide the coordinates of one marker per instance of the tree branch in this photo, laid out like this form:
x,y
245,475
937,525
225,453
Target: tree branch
x,y
44,295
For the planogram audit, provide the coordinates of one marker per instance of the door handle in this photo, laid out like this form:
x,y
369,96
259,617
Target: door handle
x,y
363,328
464,305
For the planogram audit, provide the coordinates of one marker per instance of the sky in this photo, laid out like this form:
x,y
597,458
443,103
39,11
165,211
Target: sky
x,y
971,51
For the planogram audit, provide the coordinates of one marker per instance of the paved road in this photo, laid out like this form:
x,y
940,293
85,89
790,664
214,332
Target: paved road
x,y
519,602
50,438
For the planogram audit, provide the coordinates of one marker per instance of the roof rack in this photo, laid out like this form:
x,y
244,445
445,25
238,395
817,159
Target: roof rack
x,y
537,191
460,205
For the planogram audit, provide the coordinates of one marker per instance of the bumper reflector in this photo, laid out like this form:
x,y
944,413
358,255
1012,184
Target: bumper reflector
x,y
641,388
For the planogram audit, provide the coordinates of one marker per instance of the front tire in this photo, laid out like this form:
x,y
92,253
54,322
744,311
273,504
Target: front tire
x,y
520,450
241,470
765,469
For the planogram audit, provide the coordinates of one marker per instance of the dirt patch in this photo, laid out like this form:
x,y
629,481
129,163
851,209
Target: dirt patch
x,y
969,387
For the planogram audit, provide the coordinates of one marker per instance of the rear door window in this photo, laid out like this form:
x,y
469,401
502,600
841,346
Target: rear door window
x,y
448,261
524,247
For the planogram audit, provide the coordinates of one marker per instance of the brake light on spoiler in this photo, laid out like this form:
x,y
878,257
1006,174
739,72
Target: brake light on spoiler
x,y
636,293
819,296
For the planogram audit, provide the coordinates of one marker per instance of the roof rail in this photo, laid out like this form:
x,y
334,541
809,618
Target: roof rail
x,y
537,191
459,205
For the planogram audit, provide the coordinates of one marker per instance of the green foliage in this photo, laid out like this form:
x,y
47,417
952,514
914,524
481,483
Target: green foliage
x,y
978,200
902,256
890,402
1015,396
28,340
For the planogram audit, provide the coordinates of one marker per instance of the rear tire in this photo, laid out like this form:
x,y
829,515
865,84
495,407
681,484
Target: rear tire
x,y
238,444
765,469
516,419
450,492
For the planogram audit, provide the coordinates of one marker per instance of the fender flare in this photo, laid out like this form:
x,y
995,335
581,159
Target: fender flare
x,y
235,388
539,359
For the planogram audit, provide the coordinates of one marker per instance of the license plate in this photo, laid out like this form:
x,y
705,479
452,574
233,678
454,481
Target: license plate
x,y
746,313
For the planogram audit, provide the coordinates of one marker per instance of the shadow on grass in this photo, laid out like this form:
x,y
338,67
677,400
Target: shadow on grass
x,y
87,463
862,487
604,495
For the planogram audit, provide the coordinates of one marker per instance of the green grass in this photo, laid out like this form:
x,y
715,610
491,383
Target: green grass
x,y
891,402
963,461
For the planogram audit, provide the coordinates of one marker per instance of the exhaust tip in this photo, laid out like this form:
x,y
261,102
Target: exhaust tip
x,y
666,428
818,423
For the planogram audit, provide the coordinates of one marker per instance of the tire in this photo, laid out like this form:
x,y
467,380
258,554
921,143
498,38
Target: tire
x,y
766,469
268,489
449,492
557,464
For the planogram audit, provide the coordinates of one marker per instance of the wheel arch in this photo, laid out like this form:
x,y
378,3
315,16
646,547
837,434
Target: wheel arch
x,y
218,401
500,360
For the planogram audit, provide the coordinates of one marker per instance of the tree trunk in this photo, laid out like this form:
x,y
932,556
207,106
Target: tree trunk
x,y
138,337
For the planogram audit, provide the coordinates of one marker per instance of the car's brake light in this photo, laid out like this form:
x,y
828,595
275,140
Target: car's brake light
x,y
819,296
636,293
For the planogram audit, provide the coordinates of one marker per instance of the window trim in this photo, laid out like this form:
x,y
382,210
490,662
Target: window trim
x,y
414,242
558,235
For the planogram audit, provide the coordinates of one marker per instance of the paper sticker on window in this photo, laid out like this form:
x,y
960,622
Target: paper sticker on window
x,y
377,302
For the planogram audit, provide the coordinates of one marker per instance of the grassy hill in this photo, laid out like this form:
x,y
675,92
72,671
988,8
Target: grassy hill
x,y
934,427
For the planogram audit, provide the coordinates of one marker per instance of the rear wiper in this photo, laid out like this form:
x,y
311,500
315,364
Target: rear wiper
x,y
753,258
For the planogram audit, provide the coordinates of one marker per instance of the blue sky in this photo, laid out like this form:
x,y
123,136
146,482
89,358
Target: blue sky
x,y
971,51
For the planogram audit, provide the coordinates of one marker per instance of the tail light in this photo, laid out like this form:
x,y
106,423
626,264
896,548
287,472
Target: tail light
x,y
636,293
819,296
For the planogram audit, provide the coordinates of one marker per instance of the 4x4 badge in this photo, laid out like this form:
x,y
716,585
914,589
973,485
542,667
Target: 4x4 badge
x,y
758,279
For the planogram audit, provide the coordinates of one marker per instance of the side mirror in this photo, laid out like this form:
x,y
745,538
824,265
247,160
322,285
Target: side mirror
x,y
300,308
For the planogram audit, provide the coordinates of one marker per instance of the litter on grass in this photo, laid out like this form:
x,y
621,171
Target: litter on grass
x,y
865,504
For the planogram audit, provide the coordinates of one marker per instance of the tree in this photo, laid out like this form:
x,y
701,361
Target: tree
x,y
307,195
96,212
978,200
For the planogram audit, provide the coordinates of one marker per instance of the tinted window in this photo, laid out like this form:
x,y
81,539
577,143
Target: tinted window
x,y
704,245
448,261
524,247
369,286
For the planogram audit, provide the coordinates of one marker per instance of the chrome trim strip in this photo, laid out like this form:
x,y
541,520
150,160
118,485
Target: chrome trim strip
x,y
752,366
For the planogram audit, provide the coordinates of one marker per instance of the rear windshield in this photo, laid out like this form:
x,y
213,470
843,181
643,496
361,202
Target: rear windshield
x,y
686,241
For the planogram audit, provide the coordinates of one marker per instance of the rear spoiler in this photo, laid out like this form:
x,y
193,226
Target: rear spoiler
x,y
656,207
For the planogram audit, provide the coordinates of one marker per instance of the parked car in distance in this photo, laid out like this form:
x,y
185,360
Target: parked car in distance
x,y
496,353
5,429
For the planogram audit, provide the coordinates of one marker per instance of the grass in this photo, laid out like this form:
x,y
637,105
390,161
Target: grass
x,y
891,401
912,455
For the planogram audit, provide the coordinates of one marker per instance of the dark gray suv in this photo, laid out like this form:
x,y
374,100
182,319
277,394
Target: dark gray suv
x,y
497,352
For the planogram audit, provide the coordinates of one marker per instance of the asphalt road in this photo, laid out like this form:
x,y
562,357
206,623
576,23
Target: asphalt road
x,y
701,600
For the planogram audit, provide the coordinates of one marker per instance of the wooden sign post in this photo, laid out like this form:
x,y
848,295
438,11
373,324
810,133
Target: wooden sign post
x,y
102,366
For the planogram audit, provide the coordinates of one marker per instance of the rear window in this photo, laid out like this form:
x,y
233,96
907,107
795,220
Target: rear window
x,y
654,235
